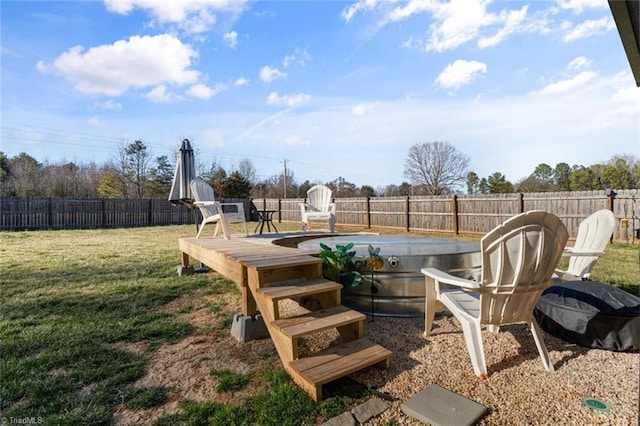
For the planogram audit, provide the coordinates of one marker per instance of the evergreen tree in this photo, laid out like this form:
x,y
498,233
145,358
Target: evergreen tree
x,y
498,184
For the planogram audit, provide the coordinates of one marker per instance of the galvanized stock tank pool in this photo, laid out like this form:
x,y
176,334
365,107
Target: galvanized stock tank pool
x,y
399,284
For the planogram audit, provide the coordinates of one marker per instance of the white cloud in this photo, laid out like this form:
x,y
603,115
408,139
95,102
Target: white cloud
x,y
231,38
567,85
268,74
97,121
288,100
460,73
361,110
588,28
201,22
362,5
140,62
627,96
159,95
110,105
579,62
202,91
299,56
213,138
242,82
295,141
457,23
578,6
512,19
412,42
193,16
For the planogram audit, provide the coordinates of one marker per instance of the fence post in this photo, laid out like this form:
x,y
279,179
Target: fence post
x,y
368,212
103,204
150,216
454,209
520,201
50,213
279,210
406,210
611,195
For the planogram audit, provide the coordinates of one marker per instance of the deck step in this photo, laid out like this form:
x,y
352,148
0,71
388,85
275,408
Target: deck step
x,y
268,272
316,321
260,263
299,289
335,362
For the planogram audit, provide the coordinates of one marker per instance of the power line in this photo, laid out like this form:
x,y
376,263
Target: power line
x,y
64,138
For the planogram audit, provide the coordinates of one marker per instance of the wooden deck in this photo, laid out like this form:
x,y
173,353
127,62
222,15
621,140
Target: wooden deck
x,y
227,257
269,273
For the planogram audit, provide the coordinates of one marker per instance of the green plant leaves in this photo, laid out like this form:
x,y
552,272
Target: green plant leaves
x,y
338,265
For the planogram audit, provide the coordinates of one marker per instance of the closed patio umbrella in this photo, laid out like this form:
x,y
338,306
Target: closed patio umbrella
x,y
180,187
185,172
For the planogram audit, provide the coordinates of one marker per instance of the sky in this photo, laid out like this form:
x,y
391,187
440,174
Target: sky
x,y
326,88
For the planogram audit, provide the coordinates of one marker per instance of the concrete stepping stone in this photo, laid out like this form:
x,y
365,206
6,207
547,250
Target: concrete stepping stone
x,y
441,407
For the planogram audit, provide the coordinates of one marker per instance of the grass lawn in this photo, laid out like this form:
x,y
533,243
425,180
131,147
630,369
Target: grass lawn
x,y
71,299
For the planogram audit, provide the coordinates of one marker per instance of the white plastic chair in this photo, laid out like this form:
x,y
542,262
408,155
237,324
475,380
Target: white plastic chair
x,y
594,233
518,260
234,212
318,207
214,211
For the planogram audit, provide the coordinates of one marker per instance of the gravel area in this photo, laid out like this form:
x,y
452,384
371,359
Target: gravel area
x,y
519,391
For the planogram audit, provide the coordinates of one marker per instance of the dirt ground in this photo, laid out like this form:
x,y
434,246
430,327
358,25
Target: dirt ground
x,y
185,366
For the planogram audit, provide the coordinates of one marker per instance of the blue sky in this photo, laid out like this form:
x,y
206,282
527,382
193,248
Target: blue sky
x,y
335,88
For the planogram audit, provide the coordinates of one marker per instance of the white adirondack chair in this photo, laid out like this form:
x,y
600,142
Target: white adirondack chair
x,y
318,207
518,260
594,233
223,214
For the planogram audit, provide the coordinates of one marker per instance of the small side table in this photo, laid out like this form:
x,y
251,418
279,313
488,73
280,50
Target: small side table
x,y
265,216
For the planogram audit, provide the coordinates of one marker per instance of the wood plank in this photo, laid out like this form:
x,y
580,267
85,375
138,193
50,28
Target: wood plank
x,y
316,321
279,274
272,261
226,256
299,289
229,268
339,361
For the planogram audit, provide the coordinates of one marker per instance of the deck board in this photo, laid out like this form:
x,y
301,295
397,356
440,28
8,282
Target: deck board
x,y
229,257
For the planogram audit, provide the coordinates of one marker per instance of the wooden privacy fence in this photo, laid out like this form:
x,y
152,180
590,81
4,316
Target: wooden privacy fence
x,y
62,213
471,214
457,214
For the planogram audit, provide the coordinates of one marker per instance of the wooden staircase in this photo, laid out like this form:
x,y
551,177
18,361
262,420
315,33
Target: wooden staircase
x,y
272,280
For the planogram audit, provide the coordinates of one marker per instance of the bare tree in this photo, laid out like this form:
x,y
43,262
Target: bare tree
x,y
439,166
24,175
473,181
342,188
138,160
247,170
114,183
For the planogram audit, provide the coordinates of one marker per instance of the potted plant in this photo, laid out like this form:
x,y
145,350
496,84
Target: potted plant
x,y
338,265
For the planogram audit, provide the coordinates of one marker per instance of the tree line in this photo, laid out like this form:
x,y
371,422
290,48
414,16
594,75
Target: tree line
x,y
431,168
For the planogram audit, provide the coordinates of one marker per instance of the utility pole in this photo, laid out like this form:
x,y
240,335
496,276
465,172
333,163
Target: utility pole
x,y
285,177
